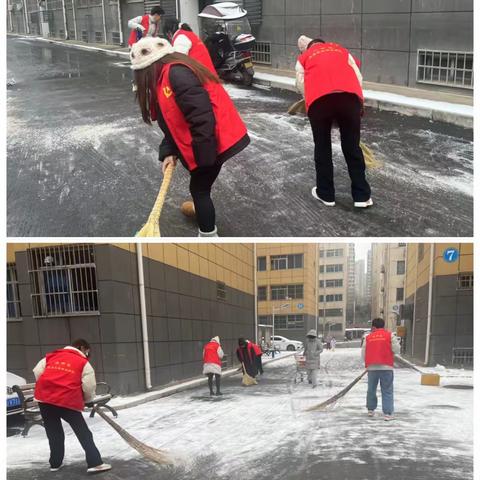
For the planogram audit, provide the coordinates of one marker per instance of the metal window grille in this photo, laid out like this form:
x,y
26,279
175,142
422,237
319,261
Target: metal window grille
x,y
261,53
115,37
465,281
401,267
13,298
262,294
453,69
334,283
282,292
337,252
221,291
284,262
337,297
462,356
262,264
331,312
289,322
334,268
98,37
84,36
63,280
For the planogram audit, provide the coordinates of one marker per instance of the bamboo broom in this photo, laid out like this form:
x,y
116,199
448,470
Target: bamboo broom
x,y
157,456
338,396
152,226
370,160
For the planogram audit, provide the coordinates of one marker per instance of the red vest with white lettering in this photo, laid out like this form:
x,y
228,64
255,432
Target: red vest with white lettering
x,y
133,34
61,382
198,51
229,127
378,349
327,71
210,353
256,349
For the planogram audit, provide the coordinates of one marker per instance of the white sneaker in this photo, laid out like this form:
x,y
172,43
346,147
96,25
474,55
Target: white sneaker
x,y
314,194
366,204
388,418
371,413
56,469
100,468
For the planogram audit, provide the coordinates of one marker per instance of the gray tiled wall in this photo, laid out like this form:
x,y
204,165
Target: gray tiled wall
x,y
385,33
182,309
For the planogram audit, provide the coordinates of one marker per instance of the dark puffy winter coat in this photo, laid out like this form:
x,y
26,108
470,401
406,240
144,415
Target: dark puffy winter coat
x,y
188,113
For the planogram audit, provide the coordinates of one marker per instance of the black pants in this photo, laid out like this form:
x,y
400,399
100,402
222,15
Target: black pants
x,y
201,181
210,381
52,420
259,364
345,110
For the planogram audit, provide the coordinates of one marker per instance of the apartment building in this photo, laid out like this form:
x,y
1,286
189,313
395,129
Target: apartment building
x,y
117,296
438,312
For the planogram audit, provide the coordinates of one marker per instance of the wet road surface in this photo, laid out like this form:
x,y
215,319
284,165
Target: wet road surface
x,y
82,163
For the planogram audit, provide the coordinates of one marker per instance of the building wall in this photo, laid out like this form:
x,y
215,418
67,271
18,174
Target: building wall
x,y
304,276
452,307
183,312
350,308
384,34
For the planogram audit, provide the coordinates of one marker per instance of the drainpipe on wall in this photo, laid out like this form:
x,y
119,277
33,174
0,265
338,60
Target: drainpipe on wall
x,y
64,11
316,275
414,304
143,313
256,290
74,20
104,22
120,29
429,311
27,26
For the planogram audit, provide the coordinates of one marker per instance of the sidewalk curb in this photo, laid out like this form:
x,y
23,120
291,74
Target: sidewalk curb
x,y
184,386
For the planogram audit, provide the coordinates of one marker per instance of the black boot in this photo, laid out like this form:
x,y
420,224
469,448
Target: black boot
x,y
217,384
210,383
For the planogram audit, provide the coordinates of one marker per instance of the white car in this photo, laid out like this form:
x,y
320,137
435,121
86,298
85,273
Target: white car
x,y
284,344
13,402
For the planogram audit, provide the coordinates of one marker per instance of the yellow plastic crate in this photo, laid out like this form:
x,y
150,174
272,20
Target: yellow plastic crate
x,y
431,379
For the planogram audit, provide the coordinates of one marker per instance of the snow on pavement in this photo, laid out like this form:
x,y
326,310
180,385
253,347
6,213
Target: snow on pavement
x,y
264,431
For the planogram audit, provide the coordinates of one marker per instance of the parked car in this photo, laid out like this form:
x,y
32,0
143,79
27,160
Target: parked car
x,y
13,402
282,344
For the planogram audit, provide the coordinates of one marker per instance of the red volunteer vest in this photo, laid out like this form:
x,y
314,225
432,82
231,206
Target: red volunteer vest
x,y
378,349
198,51
229,127
210,353
327,71
256,349
250,350
133,34
61,382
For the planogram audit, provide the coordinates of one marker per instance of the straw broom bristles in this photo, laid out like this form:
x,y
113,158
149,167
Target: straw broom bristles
x,y
152,227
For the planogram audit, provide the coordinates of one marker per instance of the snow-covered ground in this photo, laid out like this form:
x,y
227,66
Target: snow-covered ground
x,y
264,432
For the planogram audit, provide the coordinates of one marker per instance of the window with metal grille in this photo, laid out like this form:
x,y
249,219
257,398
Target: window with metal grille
x,y
336,252
261,264
261,294
399,294
286,262
337,297
334,283
462,356
453,69
402,244
289,322
63,280
13,298
282,292
321,253
465,281
331,312
401,267
221,291
334,268
84,36
115,37
261,53
98,37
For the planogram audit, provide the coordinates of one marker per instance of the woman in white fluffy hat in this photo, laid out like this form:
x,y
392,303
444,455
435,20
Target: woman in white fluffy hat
x,y
202,128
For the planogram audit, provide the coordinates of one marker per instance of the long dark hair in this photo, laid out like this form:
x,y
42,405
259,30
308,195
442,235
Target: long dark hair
x,y
171,25
147,80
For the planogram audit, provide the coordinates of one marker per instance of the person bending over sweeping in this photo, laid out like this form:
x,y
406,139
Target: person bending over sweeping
x,y
144,26
331,82
65,381
258,354
312,351
202,128
246,355
212,364
378,352
185,41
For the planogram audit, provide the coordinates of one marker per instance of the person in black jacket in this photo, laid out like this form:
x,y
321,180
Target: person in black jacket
x,y
202,133
247,356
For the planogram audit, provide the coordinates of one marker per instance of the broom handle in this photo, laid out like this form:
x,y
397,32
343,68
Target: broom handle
x,y
158,205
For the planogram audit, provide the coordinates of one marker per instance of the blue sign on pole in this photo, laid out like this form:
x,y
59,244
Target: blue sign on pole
x,y
450,255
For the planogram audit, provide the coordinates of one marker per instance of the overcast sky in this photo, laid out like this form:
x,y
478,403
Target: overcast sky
x,y
361,250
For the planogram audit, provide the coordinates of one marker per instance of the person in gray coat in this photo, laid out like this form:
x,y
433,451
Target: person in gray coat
x,y
313,349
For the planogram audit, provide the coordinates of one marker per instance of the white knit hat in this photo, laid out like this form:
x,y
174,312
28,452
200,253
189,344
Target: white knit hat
x,y
148,50
215,339
303,42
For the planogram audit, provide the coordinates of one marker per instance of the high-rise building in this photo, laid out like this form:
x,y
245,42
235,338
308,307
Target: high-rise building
x,y
438,312
369,277
360,282
350,316
388,281
333,283
59,292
